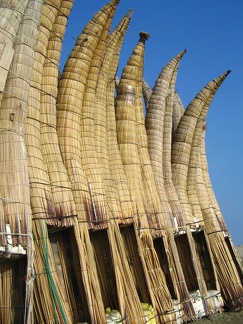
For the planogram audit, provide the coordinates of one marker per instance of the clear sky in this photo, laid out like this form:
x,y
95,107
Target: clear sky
x,y
211,31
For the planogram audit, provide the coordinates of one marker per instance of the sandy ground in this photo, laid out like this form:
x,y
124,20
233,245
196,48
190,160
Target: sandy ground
x,y
223,318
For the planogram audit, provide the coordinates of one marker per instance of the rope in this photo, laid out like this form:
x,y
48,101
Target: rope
x,y
52,286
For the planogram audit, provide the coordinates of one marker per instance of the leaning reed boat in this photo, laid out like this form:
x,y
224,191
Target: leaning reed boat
x,y
107,212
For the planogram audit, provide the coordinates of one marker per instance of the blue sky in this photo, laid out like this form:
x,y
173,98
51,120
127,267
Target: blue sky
x,y
211,31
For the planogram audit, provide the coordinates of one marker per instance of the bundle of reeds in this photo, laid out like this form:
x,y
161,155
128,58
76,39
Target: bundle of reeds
x,y
128,129
101,207
115,162
103,122
15,190
160,109
59,182
227,263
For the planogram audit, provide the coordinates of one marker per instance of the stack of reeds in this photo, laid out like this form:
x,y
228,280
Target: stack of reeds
x,y
104,208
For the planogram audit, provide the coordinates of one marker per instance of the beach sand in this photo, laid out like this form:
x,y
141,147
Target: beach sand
x,y
223,318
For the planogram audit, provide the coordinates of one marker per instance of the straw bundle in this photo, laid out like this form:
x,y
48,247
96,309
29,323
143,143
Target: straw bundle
x,y
183,141
146,93
153,203
101,128
72,115
228,267
15,190
159,125
126,134
91,140
14,173
12,282
80,167
40,193
68,118
126,129
40,190
176,207
60,185
178,111
129,304
155,116
128,294
11,13
205,180
211,194
193,177
115,161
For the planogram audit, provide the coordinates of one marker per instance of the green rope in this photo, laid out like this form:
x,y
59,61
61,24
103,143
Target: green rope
x,y
53,289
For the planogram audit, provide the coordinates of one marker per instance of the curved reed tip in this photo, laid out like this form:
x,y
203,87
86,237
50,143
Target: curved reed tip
x,y
130,13
228,72
180,55
143,36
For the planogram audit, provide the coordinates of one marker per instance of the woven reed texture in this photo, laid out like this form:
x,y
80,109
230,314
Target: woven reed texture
x,y
71,115
153,203
127,292
193,177
59,182
113,42
14,170
13,149
87,185
146,92
203,162
182,142
40,193
173,200
11,13
178,111
91,117
229,274
126,134
93,141
40,190
126,129
155,132
115,161
55,304
207,182
227,267
12,303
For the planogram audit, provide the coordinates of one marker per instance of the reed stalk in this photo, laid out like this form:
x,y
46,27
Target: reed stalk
x,y
155,132
115,161
126,135
183,141
113,43
59,182
90,119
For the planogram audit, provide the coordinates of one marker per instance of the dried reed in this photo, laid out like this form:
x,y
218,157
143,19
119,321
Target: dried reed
x,y
59,182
